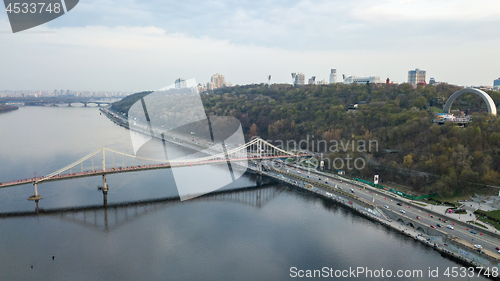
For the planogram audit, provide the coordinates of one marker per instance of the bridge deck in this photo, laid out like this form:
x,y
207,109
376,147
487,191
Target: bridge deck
x,y
128,169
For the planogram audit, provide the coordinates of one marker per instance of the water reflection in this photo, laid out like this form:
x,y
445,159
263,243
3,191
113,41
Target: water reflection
x,y
107,217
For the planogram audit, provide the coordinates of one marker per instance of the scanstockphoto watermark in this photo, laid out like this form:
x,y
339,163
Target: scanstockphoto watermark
x,y
359,272
347,148
26,14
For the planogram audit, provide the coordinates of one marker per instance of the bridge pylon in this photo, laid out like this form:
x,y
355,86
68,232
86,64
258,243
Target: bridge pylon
x,y
36,196
104,184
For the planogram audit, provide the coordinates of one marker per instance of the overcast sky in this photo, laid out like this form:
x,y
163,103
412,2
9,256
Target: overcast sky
x,y
138,45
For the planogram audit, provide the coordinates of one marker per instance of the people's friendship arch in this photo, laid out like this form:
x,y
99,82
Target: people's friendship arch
x,y
492,109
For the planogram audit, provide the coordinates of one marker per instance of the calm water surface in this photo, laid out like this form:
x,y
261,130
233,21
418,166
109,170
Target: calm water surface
x,y
257,234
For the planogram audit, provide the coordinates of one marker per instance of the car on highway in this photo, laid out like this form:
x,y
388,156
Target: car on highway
x,y
418,217
402,211
433,226
326,182
352,191
399,204
473,232
497,248
386,206
450,227
438,225
477,246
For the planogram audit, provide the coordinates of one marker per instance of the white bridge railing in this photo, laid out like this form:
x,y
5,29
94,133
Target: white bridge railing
x,y
255,149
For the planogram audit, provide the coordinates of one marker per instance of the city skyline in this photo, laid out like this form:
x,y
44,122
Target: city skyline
x,y
297,79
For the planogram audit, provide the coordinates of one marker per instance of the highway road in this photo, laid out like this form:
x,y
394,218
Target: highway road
x,y
487,242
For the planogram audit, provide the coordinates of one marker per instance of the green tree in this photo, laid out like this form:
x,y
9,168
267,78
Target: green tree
x,y
408,161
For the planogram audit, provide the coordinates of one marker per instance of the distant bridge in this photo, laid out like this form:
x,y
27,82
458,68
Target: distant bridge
x,y
85,102
62,100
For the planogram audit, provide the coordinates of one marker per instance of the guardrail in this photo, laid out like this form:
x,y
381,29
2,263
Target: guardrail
x,y
396,191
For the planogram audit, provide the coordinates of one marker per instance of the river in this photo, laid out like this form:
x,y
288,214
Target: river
x,y
256,234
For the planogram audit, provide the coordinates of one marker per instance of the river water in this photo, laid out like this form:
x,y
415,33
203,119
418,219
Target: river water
x,y
256,234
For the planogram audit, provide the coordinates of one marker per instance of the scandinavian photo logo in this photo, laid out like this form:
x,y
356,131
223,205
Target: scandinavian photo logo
x,y
175,114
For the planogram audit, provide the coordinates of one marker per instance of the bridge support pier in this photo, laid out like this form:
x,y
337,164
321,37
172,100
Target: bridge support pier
x,y
36,196
260,166
104,185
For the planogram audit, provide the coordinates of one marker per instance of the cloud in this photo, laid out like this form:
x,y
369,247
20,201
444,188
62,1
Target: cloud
x,y
298,24
429,10
131,45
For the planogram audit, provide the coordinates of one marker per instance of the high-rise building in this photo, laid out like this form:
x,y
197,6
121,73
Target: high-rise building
x,y
333,76
432,81
496,84
299,79
312,80
218,80
180,83
416,76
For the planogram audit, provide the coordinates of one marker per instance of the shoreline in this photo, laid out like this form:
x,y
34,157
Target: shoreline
x,y
7,108
419,237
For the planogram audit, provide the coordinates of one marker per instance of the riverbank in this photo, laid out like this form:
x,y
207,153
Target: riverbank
x,y
6,108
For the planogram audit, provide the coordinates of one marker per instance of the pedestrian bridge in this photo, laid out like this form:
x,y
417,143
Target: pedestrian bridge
x,y
108,161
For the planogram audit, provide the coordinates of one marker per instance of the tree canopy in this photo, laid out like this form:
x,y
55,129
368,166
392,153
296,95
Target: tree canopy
x,y
411,148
